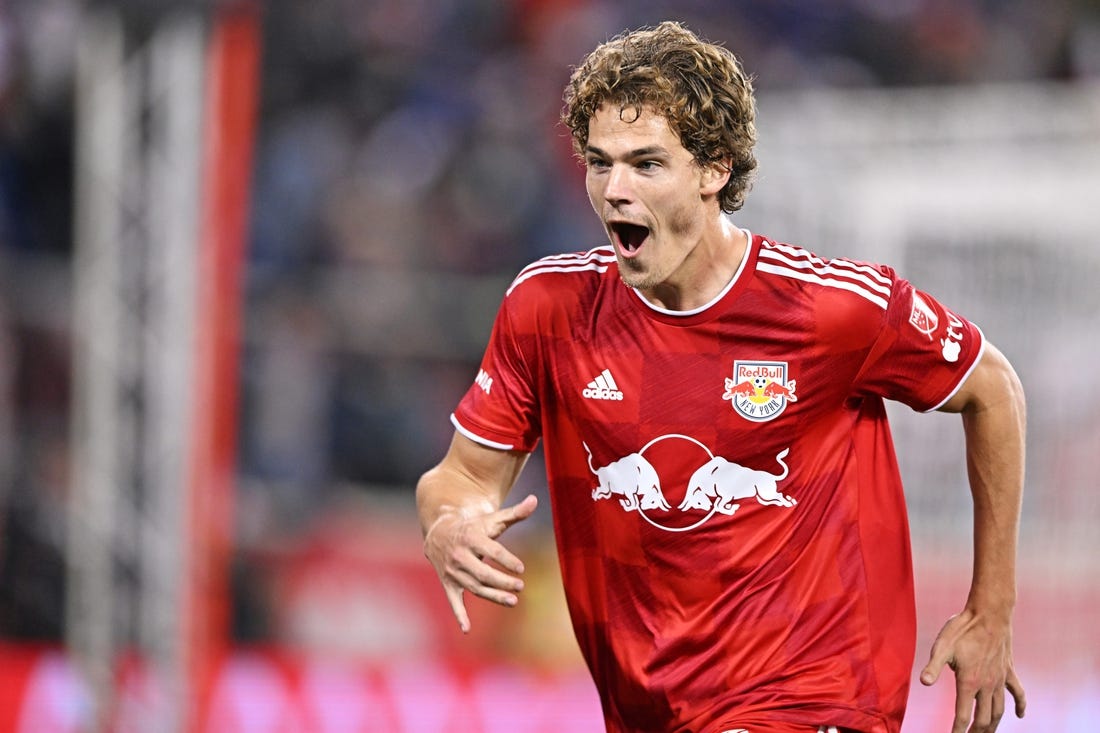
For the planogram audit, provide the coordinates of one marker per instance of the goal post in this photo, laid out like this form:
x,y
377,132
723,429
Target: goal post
x,y
165,119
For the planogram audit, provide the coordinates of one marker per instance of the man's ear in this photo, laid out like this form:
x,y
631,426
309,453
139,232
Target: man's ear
x,y
714,176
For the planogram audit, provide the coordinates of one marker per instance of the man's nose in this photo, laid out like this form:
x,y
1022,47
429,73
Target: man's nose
x,y
618,185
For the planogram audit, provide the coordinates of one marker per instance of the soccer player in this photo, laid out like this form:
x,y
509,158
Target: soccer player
x,y
727,505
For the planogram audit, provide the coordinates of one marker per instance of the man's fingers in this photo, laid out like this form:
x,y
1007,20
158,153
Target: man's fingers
x,y
458,608
966,690
1017,691
486,591
499,554
505,518
930,673
998,707
937,660
964,707
941,655
488,575
985,718
469,571
963,710
462,553
983,671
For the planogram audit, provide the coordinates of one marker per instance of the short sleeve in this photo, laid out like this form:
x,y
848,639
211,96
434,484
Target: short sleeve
x,y
500,409
924,352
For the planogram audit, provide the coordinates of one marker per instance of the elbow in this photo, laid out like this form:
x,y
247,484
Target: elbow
x,y
426,490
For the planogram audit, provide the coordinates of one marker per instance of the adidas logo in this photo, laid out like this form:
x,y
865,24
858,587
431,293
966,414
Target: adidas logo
x,y
602,387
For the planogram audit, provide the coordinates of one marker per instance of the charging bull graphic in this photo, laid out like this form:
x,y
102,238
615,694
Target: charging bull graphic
x,y
711,484
719,484
633,478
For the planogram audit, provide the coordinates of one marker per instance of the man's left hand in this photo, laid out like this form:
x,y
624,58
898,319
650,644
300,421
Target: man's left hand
x,y
979,650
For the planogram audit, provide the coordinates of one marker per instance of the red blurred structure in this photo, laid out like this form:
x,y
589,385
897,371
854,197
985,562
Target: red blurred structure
x,y
232,89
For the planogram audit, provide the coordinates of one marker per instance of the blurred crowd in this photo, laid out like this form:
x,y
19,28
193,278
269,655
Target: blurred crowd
x,y
404,140
408,162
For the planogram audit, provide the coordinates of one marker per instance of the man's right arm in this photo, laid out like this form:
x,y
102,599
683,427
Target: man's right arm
x,y
458,503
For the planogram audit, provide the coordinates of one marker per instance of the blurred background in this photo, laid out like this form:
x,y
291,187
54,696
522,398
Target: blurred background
x,y
249,257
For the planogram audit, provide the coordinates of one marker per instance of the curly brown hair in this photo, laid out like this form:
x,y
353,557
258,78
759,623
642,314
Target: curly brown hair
x,y
698,86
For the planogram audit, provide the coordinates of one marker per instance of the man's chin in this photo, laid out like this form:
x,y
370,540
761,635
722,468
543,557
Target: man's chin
x,y
634,275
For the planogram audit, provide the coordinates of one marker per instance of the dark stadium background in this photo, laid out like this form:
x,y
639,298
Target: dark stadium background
x,y
407,162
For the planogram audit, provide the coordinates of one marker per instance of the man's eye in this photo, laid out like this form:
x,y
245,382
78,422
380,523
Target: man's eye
x,y
596,163
648,165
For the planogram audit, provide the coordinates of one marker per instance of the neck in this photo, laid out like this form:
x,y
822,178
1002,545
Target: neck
x,y
705,272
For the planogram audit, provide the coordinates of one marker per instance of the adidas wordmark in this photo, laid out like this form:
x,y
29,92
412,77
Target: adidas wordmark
x,y
602,387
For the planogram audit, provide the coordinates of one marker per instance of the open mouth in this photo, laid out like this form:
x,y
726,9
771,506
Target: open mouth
x,y
630,237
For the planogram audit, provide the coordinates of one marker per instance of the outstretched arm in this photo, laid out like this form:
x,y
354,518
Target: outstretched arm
x,y
977,642
459,503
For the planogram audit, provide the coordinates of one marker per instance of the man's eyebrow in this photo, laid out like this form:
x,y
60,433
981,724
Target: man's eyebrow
x,y
647,151
651,150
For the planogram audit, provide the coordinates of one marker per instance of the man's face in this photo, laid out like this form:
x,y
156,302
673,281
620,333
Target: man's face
x,y
648,191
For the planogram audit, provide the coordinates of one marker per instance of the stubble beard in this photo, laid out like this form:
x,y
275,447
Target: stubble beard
x,y
636,274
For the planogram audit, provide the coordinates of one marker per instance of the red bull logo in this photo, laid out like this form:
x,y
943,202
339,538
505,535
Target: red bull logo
x,y
713,484
759,390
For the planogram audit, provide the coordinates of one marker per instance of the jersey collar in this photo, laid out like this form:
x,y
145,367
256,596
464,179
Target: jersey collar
x,y
713,308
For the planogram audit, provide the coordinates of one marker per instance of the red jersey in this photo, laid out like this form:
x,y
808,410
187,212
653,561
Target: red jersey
x,y
727,504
